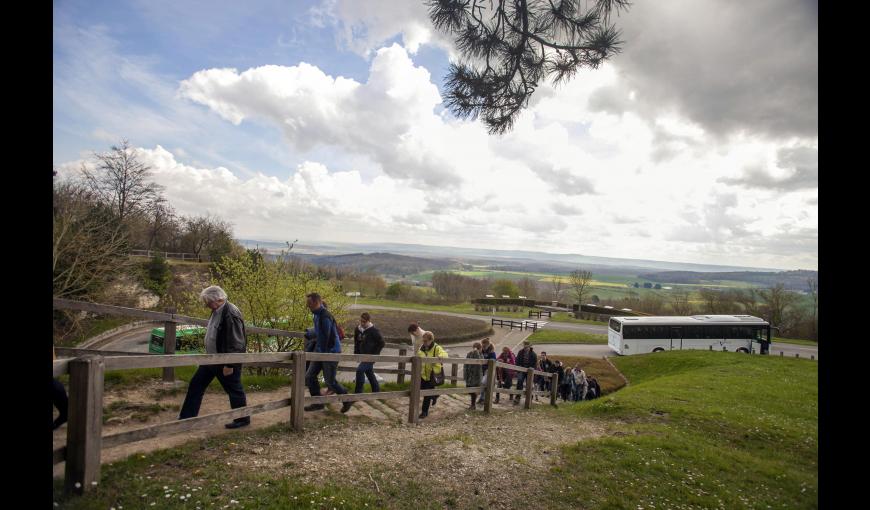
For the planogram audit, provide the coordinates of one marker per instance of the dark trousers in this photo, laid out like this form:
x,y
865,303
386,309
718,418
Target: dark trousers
x,y
506,383
329,369
366,369
474,399
521,378
565,391
60,401
427,401
204,375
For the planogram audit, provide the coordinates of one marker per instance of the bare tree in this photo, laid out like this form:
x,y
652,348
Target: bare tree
x,y
710,297
121,180
556,287
514,44
202,232
89,246
161,220
777,299
580,283
680,303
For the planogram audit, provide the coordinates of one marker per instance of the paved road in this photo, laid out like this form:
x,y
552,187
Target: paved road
x,y
136,340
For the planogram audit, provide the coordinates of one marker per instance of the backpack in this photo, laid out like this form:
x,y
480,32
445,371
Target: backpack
x,y
338,328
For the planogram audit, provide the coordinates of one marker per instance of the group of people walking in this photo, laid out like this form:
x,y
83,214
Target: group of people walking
x,y
225,333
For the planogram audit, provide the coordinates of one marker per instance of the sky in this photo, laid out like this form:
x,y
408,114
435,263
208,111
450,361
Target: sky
x,y
322,121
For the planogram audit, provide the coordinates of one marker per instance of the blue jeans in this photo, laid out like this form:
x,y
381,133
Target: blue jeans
x,y
329,369
366,369
521,378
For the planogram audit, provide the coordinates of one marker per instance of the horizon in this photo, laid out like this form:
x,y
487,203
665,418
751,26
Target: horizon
x,y
246,242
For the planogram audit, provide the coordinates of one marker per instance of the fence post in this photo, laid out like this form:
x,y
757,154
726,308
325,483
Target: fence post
x,y
490,384
554,385
414,397
85,426
401,377
169,346
297,391
780,354
797,355
530,386
454,372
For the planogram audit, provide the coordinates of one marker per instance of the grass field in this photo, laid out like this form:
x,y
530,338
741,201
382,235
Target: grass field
x,y
796,341
702,430
551,336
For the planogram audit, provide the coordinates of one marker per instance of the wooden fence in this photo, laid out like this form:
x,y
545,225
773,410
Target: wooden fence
x,y
167,255
540,313
86,383
521,325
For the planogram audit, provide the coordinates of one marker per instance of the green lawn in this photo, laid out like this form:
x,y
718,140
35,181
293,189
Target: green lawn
x,y
701,430
796,341
551,336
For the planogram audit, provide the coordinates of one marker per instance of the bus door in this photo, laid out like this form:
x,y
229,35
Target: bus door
x,y
676,338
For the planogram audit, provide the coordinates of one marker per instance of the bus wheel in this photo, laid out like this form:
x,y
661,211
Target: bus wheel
x,y
658,349
743,350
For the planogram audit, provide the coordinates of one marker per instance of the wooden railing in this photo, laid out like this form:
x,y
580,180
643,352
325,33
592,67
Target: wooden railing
x,y
540,313
166,254
86,384
521,325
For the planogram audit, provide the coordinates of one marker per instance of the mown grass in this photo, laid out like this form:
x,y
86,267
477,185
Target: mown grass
x,y
552,336
199,475
795,341
702,430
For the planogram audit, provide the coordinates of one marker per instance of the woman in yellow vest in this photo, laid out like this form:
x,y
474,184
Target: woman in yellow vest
x,y
429,349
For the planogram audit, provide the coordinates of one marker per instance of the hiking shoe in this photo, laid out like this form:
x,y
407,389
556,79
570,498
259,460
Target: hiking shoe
x,y
517,402
345,406
314,407
423,415
237,424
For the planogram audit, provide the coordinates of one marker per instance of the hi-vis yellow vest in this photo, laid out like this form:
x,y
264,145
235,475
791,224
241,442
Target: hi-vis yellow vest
x,y
436,352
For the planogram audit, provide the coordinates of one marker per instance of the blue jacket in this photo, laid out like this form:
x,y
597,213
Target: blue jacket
x,y
324,330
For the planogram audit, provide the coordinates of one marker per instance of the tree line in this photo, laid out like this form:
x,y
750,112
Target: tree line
x,y
112,206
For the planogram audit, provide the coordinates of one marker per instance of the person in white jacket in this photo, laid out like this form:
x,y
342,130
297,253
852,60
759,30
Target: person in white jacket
x,y
416,333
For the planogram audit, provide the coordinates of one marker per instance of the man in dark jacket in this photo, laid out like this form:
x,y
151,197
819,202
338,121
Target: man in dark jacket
x,y
545,365
225,333
487,352
562,388
327,341
367,340
526,358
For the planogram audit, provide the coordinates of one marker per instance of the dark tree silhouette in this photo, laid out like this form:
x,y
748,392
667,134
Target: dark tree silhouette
x,y
511,45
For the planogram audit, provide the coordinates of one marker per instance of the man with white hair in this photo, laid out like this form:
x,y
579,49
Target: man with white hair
x,y
225,333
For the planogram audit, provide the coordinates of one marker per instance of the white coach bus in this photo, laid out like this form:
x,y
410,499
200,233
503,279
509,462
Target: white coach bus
x,y
637,335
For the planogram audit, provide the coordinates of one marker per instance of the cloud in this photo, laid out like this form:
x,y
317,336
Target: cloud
x,y
366,26
729,68
802,164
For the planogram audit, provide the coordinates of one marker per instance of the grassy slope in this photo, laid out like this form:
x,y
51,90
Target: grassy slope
x,y
713,430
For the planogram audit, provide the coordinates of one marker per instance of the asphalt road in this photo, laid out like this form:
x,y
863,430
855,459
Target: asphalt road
x,y
136,340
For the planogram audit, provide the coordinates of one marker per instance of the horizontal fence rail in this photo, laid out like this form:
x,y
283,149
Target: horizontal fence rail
x,y
87,367
521,325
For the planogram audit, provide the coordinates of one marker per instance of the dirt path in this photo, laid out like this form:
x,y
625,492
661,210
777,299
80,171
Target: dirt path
x,y
388,412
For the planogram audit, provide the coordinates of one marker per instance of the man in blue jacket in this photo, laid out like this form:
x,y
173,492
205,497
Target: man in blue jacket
x,y
326,339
